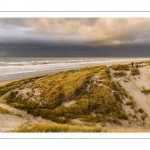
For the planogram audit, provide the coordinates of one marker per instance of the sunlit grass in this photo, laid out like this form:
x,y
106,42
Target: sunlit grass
x,y
104,99
145,91
120,74
118,67
53,127
5,111
60,128
135,71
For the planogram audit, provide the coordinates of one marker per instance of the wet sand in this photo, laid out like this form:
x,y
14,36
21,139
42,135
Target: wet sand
x,y
4,79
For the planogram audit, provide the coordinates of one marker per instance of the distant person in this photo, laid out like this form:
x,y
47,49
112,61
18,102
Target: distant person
x,y
132,65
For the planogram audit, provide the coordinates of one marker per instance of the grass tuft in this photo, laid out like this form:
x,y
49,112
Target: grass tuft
x,y
145,91
5,111
53,127
119,74
59,128
118,67
135,71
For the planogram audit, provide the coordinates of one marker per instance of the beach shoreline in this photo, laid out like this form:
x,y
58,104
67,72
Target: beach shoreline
x,y
4,79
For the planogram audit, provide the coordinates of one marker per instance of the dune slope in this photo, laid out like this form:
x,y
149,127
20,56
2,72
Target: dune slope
x,y
114,97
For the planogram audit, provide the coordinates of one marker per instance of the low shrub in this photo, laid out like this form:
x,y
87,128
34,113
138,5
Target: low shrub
x,y
141,110
119,74
145,91
5,111
131,103
144,116
135,71
106,82
124,67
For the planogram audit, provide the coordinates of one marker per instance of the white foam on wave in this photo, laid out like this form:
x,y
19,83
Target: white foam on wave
x,y
13,69
7,68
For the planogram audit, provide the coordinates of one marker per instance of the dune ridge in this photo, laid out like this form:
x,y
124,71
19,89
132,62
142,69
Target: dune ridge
x,y
113,97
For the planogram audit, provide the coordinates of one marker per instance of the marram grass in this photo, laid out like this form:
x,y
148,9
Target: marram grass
x,y
53,127
5,111
97,98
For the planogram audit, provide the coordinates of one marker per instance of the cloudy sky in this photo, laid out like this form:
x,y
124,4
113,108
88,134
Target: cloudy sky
x,y
71,37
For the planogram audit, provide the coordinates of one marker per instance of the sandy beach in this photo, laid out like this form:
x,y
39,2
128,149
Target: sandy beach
x,y
4,79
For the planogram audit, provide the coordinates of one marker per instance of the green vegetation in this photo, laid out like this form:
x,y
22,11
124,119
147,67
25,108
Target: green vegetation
x,y
53,127
45,95
60,128
124,67
119,74
2,101
5,111
144,116
131,102
141,110
145,91
135,71
147,61
16,84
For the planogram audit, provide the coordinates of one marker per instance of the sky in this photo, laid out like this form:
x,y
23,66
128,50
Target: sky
x,y
74,37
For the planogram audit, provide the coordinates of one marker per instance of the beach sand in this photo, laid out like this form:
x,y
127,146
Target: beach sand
x,y
4,79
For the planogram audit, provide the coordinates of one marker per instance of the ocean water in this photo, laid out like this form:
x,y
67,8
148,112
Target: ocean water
x,y
12,68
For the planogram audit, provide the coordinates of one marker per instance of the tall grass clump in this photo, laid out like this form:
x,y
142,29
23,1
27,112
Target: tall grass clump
x,y
145,91
5,111
53,127
60,128
135,71
119,74
118,67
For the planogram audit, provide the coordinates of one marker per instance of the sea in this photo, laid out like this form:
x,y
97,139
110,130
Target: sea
x,y
22,67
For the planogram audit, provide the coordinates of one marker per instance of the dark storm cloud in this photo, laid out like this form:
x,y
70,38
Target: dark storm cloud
x,y
74,51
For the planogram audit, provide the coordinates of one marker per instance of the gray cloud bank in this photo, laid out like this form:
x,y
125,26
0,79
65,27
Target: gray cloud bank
x,y
75,37
74,51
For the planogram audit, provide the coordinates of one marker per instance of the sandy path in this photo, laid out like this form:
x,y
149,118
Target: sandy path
x,y
134,87
17,118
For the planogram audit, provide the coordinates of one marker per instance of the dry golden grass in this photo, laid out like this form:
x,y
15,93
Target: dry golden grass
x,y
145,91
131,130
53,127
118,67
5,111
104,99
56,89
119,74
60,128
135,71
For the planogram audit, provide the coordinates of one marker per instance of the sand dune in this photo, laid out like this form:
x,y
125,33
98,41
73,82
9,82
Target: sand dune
x,y
137,86
17,118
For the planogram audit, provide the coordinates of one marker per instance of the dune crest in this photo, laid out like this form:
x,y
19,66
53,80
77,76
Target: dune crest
x,y
114,97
